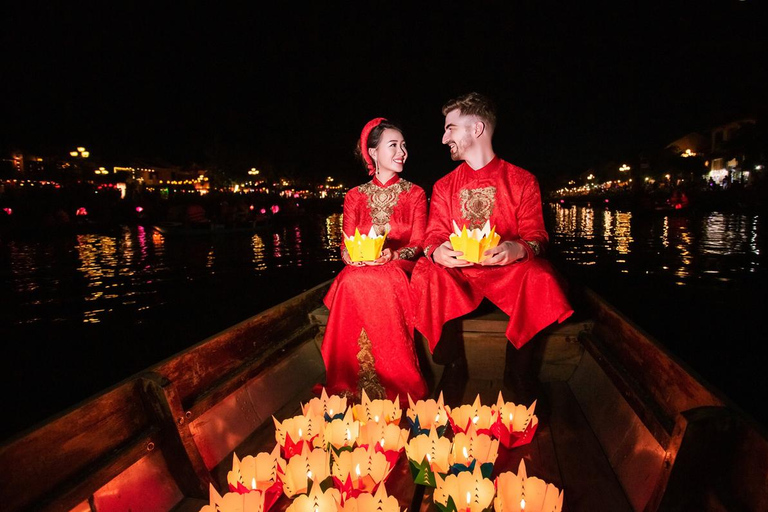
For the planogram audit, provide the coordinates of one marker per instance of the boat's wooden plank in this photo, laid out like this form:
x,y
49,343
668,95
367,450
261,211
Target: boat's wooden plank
x,y
587,478
199,368
673,386
73,455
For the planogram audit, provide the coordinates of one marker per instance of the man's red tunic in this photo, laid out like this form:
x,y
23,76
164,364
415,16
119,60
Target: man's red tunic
x,y
368,342
529,291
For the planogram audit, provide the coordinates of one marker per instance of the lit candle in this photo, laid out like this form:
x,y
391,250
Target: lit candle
x,y
308,466
425,414
476,414
466,487
513,425
532,494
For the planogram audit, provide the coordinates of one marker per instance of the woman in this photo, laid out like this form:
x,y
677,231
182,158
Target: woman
x,y
368,343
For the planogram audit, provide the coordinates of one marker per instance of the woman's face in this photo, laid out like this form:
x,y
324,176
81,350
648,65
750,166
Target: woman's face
x,y
390,154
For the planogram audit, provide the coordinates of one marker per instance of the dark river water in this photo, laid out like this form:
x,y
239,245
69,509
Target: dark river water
x,y
81,312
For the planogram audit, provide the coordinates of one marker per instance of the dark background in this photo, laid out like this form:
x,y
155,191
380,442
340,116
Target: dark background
x,y
288,87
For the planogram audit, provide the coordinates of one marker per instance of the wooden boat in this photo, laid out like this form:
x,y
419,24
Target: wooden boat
x,y
623,425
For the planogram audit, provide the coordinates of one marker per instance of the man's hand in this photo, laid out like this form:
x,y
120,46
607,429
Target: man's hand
x,y
386,256
445,255
505,253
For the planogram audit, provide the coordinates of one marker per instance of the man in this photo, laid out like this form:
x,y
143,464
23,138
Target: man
x,y
485,188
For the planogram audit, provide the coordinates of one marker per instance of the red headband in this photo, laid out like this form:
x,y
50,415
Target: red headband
x,y
373,123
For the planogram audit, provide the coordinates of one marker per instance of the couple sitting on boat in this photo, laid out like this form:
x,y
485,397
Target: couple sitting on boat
x,y
419,281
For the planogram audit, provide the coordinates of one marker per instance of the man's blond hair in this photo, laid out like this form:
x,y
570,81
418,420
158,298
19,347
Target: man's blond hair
x,y
473,104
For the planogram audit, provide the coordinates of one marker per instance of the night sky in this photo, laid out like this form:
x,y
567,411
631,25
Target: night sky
x,y
289,88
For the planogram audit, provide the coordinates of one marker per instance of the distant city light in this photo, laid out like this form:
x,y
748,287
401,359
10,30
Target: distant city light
x,y
624,168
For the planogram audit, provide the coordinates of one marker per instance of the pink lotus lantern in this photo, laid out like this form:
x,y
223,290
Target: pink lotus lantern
x,y
257,474
476,414
316,501
358,471
341,433
471,450
518,492
386,438
378,410
513,425
428,455
308,468
425,414
464,492
234,502
294,432
327,407
366,502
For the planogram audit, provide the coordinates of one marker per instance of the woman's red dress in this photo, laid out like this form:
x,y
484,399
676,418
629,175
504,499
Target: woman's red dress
x,y
368,342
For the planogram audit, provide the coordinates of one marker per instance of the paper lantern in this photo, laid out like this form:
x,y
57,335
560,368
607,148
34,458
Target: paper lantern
x,y
294,432
513,425
476,414
471,450
464,492
367,502
310,467
425,414
327,407
234,502
377,410
341,433
360,470
388,439
518,492
427,455
260,473
317,500
364,248
473,243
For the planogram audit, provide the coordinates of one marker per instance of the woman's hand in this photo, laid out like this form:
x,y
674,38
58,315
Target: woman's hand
x,y
386,257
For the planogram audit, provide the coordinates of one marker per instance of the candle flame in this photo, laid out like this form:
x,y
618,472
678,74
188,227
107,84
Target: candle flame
x,y
253,483
299,433
437,417
510,417
309,474
349,435
466,455
475,419
469,498
376,419
357,470
382,442
330,412
522,503
429,459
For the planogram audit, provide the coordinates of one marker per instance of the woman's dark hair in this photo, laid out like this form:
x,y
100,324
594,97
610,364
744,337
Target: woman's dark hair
x,y
374,138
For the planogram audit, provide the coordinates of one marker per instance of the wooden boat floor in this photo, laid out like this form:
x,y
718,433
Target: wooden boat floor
x,y
564,452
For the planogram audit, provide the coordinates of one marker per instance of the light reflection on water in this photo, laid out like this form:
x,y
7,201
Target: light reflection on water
x,y
714,246
130,268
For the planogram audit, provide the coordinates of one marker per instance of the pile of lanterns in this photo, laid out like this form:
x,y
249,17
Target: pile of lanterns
x,y
336,457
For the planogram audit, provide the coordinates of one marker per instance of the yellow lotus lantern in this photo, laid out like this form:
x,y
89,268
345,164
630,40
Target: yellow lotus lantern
x,y
472,450
367,502
316,501
377,410
464,492
360,470
388,439
473,243
310,467
427,414
234,502
477,414
341,433
428,455
327,407
364,248
259,473
518,492
513,425
294,432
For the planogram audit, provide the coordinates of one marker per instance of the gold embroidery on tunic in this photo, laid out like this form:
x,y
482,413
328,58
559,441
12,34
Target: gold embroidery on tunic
x,y
407,253
366,378
477,205
382,201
